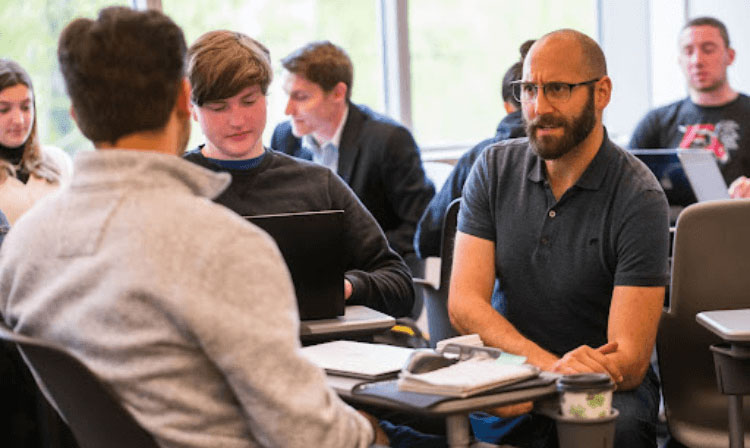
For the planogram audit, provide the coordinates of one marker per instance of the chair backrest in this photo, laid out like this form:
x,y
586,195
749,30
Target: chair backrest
x,y
436,300
92,411
709,272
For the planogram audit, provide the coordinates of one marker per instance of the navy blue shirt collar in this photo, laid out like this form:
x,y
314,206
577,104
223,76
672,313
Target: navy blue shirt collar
x,y
244,164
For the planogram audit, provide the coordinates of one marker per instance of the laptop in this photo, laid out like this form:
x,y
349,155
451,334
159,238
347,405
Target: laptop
x,y
704,175
666,166
310,243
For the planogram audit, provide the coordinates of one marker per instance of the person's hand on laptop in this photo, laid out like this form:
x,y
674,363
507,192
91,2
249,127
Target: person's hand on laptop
x,y
347,289
740,188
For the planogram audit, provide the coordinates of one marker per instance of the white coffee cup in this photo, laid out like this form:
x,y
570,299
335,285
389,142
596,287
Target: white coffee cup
x,y
586,395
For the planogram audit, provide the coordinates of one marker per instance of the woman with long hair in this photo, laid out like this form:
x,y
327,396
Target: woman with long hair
x,y
28,170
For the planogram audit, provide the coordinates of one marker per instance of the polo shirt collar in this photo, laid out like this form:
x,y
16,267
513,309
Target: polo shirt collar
x,y
592,178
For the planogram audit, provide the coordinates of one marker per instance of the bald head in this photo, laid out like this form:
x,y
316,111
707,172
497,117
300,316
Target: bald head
x,y
572,48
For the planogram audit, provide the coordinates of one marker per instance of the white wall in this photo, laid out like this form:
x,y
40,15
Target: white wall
x,y
667,81
639,39
624,37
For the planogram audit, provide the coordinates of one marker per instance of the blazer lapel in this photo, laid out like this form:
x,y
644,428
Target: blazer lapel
x,y
349,148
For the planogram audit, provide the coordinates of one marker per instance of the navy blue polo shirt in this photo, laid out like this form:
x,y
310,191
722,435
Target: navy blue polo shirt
x,y
558,261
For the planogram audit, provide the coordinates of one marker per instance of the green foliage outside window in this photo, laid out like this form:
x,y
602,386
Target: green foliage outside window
x,y
460,52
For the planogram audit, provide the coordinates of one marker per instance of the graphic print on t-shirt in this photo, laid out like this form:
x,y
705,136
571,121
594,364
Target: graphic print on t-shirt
x,y
720,138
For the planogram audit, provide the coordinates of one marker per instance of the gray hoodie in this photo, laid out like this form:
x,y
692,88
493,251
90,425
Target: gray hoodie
x,y
184,308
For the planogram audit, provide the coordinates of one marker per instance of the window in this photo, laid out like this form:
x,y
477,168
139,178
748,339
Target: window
x,y
29,36
285,25
460,52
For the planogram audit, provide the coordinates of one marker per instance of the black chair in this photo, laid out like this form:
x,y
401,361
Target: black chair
x,y
709,272
93,412
436,293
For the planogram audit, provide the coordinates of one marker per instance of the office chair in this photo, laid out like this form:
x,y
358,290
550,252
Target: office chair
x,y
709,272
436,292
438,173
92,411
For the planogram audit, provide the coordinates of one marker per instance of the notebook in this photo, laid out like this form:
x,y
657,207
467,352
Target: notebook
x,y
704,175
358,359
310,243
668,170
466,378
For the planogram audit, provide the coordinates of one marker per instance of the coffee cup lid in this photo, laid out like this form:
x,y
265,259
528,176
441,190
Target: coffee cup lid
x,y
585,381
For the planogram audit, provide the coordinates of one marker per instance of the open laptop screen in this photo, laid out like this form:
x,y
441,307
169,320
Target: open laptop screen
x,y
704,174
310,243
668,170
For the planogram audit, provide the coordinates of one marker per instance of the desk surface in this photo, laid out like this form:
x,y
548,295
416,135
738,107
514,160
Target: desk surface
x,y
344,386
356,319
730,325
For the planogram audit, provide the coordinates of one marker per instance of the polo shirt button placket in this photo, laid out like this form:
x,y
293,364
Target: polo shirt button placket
x,y
545,239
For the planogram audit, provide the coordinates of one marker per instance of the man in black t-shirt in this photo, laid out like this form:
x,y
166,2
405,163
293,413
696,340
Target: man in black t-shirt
x,y
714,116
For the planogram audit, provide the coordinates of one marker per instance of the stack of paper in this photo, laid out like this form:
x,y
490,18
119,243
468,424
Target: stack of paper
x,y
358,359
466,378
467,339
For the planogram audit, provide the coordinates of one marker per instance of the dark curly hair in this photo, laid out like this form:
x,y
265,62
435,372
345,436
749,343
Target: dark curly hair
x,y
122,71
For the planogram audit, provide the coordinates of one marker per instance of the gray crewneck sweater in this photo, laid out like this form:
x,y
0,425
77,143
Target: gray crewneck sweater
x,y
184,308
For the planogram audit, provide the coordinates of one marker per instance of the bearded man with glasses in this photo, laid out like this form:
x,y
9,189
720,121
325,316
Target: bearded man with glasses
x,y
575,230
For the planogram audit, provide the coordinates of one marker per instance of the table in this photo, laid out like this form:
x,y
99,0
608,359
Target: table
x,y
357,320
732,363
455,410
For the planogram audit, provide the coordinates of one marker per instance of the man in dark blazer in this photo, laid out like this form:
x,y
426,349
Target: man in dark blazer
x,y
376,156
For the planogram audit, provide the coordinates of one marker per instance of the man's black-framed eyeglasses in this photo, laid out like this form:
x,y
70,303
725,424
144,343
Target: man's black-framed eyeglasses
x,y
556,92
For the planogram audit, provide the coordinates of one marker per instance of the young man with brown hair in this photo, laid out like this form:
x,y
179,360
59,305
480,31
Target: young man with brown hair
x,y
230,74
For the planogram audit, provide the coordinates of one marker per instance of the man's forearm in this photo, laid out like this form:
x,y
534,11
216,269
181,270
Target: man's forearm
x,y
633,324
633,370
478,316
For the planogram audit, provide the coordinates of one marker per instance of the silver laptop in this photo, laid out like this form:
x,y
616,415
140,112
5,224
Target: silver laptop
x,y
703,174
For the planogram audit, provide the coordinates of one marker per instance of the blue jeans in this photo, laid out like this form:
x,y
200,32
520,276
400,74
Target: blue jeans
x,y
635,427
401,436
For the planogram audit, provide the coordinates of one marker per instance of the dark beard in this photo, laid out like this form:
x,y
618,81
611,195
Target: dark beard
x,y
574,131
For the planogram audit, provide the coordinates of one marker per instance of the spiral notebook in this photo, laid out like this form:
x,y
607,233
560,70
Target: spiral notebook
x,y
466,378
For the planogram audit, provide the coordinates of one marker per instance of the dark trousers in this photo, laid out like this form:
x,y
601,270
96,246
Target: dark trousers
x,y
635,426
